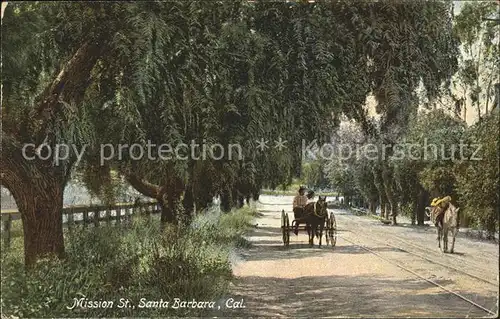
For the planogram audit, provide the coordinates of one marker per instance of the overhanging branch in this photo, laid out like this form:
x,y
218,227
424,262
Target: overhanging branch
x,y
69,86
144,187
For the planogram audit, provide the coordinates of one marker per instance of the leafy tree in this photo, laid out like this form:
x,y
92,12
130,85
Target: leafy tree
x,y
477,181
230,72
424,164
478,72
52,54
313,174
397,75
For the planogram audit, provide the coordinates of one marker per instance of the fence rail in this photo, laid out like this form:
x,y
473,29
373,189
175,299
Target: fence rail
x,y
85,215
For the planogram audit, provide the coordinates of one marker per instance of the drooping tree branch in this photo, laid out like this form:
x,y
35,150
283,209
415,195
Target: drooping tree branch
x,y
68,88
144,187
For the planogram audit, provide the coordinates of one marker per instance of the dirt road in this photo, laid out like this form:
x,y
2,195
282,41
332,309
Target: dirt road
x,y
363,275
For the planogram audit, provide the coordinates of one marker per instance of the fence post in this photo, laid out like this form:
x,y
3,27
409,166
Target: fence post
x,y
118,215
6,230
149,211
126,214
97,215
108,215
70,220
85,217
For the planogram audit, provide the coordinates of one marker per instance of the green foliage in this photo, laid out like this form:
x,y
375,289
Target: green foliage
x,y
477,180
313,175
139,261
469,24
341,177
478,71
364,180
226,73
435,142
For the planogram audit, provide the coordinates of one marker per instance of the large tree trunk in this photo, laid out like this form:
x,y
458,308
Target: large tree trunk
x,y
37,188
40,204
256,193
156,192
420,207
382,205
235,198
413,213
174,190
391,196
188,202
167,211
377,180
387,209
372,206
225,201
39,198
241,201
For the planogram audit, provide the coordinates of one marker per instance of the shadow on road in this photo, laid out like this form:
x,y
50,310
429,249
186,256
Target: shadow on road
x,y
346,296
267,244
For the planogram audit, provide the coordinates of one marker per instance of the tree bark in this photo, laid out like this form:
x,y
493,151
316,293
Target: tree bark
x,y
372,206
241,201
37,187
225,201
41,212
168,196
391,197
235,196
420,207
413,213
168,209
377,181
173,193
144,187
256,194
39,198
188,202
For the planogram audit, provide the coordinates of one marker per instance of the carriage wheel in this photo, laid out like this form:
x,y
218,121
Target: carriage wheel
x,y
287,227
283,227
332,230
327,225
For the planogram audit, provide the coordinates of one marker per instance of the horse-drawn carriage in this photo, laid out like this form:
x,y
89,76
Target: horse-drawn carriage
x,y
316,222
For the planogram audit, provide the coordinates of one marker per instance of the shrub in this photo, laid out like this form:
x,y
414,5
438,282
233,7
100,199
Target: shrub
x,y
137,261
478,180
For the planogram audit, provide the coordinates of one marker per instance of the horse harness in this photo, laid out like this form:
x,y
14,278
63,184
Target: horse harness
x,y
315,211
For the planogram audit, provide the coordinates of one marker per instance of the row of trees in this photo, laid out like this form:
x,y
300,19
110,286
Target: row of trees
x,y
438,156
87,74
433,164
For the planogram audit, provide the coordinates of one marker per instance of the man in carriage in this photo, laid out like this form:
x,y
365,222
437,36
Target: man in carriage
x,y
299,202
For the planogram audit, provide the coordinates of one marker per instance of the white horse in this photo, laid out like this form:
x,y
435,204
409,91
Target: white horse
x,y
450,223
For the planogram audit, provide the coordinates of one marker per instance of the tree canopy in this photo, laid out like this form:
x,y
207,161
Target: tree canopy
x,y
89,74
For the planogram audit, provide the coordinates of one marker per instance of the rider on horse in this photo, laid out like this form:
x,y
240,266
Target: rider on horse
x,y
439,206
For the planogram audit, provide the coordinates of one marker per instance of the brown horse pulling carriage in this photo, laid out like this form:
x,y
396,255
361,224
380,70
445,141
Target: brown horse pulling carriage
x,y
316,220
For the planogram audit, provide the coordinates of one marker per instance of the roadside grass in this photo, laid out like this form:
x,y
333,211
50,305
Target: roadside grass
x,y
134,262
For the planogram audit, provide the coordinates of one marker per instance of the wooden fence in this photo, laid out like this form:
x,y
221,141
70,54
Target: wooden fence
x,y
86,216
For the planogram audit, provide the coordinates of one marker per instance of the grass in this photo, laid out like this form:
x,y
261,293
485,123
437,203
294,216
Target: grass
x,y
136,261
